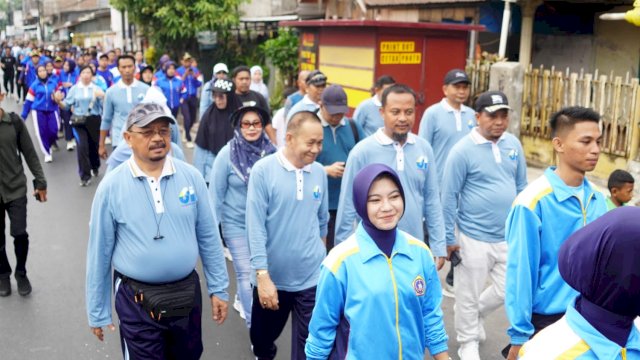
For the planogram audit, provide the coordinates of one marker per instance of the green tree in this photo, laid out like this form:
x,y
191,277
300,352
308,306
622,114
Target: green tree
x,y
172,25
283,53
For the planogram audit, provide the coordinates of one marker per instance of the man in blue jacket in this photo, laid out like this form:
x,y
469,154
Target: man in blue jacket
x,y
542,217
340,136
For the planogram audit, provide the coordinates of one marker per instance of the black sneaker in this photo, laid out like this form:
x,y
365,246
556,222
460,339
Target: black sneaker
x,y
5,286
24,285
95,172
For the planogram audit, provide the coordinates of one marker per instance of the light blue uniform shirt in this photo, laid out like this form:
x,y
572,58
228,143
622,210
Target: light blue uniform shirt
x,y
367,114
574,338
230,195
80,97
442,128
287,215
543,216
118,102
392,304
414,164
481,175
306,104
125,218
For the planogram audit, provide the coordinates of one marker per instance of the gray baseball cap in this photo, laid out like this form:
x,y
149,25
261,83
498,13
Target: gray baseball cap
x,y
144,114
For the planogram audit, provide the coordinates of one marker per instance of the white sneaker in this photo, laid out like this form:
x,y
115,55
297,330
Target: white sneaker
x,y
48,158
237,306
71,145
469,351
227,254
107,140
189,145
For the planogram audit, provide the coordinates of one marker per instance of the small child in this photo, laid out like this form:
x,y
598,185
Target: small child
x,y
621,188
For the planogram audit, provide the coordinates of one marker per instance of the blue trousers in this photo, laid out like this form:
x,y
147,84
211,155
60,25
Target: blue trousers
x,y
142,337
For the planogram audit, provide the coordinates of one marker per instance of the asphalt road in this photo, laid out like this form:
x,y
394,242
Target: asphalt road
x,y
51,323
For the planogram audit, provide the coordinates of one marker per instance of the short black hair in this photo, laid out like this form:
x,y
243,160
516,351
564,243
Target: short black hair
x,y
238,69
123,57
618,178
384,80
396,89
103,56
567,117
87,67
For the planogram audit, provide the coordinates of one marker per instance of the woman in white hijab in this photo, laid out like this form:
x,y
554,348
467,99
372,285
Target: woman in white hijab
x,y
256,82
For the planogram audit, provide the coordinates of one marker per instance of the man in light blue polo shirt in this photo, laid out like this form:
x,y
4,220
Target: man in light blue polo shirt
x,y
367,114
443,124
151,220
412,157
286,221
484,172
118,102
316,82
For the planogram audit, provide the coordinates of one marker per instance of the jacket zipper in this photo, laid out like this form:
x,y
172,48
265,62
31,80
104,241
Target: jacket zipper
x,y
395,294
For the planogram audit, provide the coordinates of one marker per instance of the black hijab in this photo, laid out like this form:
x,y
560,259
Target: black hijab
x,y
215,129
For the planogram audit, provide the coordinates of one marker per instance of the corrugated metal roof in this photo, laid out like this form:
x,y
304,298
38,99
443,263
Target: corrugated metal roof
x,y
392,3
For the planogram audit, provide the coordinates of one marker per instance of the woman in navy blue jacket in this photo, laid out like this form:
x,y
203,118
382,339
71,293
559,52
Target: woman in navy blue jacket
x,y
44,110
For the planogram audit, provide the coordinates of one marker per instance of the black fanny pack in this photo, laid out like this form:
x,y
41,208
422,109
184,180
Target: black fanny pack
x,y
78,120
175,299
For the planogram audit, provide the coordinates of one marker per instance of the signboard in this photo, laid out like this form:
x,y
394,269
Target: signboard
x,y
399,52
309,51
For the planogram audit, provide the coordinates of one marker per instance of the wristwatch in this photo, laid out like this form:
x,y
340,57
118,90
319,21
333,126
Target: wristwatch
x,y
261,272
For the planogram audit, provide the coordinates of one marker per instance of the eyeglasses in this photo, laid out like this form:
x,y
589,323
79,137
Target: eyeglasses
x,y
255,124
165,132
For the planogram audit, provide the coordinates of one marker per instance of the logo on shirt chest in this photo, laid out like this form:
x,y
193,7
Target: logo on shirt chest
x,y
419,285
422,163
513,154
471,124
317,193
187,196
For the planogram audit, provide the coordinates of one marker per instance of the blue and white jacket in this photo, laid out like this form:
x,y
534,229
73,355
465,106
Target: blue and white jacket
x,y
392,304
542,217
39,96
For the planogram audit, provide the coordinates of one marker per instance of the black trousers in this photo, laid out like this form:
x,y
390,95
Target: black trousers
x,y
8,81
87,148
65,116
17,211
189,109
331,234
267,325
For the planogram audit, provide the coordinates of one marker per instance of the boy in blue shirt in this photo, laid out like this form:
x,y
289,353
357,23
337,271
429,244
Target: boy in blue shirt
x,y
286,221
542,217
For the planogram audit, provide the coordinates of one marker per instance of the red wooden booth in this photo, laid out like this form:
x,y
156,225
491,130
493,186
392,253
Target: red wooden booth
x,y
354,53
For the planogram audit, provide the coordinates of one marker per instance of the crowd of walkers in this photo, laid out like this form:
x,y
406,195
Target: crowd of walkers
x,y
341,223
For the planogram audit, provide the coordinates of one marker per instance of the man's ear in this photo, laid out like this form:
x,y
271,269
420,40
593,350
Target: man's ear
x,y
558,145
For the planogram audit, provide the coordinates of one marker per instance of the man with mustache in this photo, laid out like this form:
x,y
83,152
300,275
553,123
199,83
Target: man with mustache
x,y
485,168
542,217
412,158
151,219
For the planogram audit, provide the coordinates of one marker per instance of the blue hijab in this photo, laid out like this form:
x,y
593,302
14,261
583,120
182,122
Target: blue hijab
x,y
384,239
601,262
245,153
